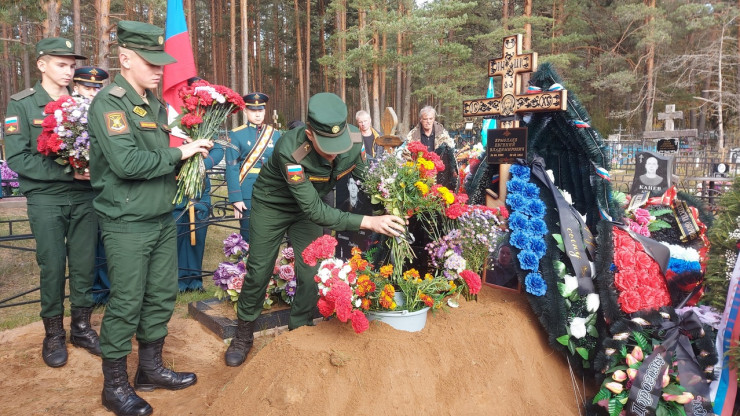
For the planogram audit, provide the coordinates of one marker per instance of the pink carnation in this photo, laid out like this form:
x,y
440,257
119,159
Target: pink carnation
x,y
472,280
359,322
321,248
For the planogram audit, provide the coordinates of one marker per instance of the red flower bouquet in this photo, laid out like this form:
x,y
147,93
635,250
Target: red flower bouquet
x,y
64,133
206,107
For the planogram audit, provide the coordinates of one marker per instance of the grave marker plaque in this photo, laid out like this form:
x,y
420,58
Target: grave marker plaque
x,y
652,173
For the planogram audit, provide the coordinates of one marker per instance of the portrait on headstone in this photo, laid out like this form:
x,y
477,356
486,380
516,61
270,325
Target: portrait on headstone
x,y
350,198
652,173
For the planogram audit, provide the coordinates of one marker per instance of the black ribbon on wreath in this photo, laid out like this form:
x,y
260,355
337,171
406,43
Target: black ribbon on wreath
x,y
577,238
676,340
646,390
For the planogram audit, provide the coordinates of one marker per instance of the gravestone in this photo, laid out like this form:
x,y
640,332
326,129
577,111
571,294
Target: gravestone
x,y
652,173
509,105
671,138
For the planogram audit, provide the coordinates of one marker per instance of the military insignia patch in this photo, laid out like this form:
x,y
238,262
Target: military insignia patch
x,y
116,123
11,125
147,125
295,174
69,44
139,111
38,121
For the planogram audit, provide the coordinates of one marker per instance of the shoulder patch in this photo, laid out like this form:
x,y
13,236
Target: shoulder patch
x,y
295,174
12,126
243,126
23,94
302,151
117,92
355,136
116,123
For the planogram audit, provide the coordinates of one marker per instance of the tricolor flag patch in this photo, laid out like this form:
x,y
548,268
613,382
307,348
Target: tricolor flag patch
x,y
580,124
11,125
295,174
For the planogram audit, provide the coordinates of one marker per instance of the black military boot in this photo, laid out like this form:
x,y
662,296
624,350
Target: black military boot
x,y
81,333
240,344
118,396
54,349
151,374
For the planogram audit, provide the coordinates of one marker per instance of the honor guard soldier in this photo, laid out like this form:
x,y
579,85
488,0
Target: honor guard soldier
x,y
59,205
251,146
304,166
133,172
88,80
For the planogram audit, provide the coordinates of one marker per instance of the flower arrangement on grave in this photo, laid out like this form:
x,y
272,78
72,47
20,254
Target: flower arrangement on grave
x,y
348,289
460,254
407,188
8,179
206,107
555,263
64,134
657,362
229,275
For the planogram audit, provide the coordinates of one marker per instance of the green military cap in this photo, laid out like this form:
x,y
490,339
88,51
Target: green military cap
x,y
144,39
327,119
56,47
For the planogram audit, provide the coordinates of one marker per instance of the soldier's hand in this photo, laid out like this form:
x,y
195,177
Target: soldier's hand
x,y
82,176
239,208
198,146
389,225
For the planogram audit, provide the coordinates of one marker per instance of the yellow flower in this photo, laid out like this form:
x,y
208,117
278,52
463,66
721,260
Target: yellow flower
x,y
453,286
386,271
449,198
428,276
423,188
411,274
408,164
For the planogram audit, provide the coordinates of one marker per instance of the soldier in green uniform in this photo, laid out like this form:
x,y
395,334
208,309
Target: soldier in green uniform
x,y
305,165
59,206
252,145
133,170
88,81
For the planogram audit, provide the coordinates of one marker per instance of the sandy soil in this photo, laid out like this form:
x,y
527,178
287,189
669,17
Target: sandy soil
x,y
484,358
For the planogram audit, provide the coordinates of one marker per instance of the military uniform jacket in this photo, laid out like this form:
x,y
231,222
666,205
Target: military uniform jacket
x,y
42,179
131,164
244,138
295,178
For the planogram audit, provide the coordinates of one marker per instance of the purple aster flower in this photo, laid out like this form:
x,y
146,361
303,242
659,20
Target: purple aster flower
x,y
235,245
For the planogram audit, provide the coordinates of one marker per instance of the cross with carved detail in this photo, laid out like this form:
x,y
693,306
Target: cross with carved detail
x,y
511,102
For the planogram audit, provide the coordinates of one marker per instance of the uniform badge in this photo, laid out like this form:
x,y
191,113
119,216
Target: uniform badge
x,y
11,125
295,174
69,44
160,40
38,121
139,111
116,123
147,125
335,129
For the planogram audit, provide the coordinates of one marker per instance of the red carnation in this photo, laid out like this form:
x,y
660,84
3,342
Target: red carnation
x,y
326,307
191,119
630,301
359,322
455,210
415,148
472,280
321,248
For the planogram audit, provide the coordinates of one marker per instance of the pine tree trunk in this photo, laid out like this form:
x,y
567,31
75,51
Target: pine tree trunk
x,y
245,47
362,78
258,47
322,42
7,68
299,65
192,16
649,69
376,77
232,55
77,26
51,24
104,35
214,44
308,49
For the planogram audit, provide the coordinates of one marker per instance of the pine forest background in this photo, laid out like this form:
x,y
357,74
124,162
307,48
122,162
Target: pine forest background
x,y
625,59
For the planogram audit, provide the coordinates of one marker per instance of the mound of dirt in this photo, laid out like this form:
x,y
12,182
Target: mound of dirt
x,y
485,358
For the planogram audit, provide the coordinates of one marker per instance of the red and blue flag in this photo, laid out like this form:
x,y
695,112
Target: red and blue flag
x,y
177,44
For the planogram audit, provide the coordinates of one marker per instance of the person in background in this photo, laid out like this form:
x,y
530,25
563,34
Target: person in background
x,y
250,146
88,80
430,133
59,206
133,168
369,134
304,167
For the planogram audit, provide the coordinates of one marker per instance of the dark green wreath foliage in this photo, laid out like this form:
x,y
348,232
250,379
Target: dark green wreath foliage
x,y
572,153
716,283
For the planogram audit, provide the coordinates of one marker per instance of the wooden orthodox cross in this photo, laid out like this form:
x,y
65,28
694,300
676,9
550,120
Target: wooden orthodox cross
x,y
511,102
668,129
389,121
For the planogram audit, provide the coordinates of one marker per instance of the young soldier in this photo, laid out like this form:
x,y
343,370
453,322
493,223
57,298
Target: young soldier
x,y
88,80
59,206
252,146
132,169
303,168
